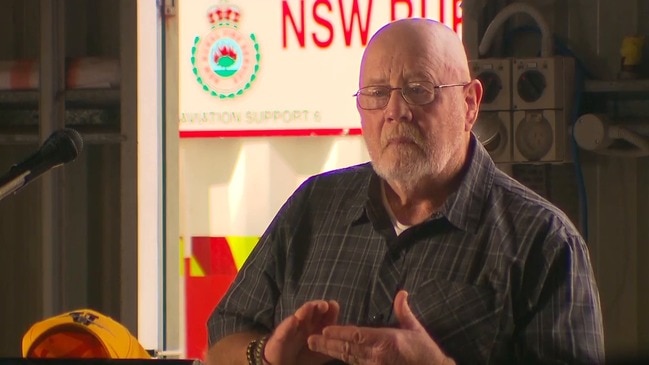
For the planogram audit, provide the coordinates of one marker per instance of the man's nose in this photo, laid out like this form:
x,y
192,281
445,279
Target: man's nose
x,y
397,108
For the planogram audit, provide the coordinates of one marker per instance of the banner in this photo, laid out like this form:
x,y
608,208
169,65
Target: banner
x,y
290,67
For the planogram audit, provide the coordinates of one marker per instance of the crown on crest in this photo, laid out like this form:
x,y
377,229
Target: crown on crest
x,y
224,13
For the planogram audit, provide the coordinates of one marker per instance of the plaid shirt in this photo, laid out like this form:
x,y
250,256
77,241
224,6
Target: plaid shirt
x,y
499,276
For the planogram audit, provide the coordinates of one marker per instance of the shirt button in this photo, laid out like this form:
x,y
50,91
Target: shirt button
x,y
376,319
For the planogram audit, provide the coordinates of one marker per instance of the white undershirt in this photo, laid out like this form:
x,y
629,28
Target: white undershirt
x,y
398,226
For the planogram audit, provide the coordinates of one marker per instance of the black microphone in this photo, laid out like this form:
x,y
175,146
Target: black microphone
x,y
62,146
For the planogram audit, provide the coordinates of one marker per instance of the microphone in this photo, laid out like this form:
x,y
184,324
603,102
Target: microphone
x,y
64,145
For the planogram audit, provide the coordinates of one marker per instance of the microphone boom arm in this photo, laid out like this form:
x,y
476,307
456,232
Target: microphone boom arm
x,y
13,185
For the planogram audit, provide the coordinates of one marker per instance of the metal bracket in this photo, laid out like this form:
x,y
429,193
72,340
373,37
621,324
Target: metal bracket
x,y
170,7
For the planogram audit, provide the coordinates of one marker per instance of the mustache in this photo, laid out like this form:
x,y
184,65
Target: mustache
x,y
402,132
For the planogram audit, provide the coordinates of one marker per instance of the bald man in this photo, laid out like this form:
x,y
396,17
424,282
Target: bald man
x,y
427,255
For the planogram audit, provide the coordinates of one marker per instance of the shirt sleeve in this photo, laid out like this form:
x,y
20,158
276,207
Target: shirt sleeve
x,y
559,320
249,303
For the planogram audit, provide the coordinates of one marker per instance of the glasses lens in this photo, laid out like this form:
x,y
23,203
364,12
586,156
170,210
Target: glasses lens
x,y
377,97
419,93
373,97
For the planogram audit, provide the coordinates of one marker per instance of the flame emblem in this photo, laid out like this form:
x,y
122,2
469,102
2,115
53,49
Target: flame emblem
x,y
225,57
225,60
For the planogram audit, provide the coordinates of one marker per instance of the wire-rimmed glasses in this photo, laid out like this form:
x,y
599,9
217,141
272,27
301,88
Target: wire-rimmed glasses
x,y
415,93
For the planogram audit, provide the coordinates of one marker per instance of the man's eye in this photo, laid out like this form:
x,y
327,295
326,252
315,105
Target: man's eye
x,y
417,90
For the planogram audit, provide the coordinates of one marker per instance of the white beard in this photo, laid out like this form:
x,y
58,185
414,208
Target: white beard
x,y
408,165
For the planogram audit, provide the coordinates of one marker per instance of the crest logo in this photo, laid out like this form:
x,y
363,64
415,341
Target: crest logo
x,y
225,61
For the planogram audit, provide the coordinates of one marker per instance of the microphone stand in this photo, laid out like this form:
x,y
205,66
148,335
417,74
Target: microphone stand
x,y
13,184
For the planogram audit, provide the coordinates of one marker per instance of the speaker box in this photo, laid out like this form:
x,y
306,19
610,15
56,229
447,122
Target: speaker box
x,y
495,74
494,131
543,83
540,136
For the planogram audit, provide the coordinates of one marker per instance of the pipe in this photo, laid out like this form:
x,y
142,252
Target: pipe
x,y
596,133
504,14
640,142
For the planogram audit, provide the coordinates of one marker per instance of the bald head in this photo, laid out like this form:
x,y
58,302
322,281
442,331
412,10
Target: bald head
x,y
429,39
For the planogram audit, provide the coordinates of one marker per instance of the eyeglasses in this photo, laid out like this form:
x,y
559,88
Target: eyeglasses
x,y
415,93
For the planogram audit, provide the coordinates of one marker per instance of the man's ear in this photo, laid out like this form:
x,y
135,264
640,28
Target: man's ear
x,y
472,98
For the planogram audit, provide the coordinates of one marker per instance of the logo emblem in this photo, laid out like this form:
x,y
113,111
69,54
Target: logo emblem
x,y
225,61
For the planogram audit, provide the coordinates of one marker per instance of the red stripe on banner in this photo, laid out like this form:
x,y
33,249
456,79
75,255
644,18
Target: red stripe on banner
x,y
203,293
271,133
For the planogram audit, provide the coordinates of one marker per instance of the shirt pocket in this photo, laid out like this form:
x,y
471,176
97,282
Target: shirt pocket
x,y
462,318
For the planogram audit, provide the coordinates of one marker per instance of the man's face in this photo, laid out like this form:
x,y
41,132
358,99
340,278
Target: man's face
x,y
407,142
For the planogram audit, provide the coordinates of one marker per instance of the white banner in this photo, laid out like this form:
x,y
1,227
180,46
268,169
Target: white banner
x,y
260,67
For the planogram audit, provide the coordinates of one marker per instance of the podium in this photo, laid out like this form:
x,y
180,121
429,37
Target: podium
x,y
29,361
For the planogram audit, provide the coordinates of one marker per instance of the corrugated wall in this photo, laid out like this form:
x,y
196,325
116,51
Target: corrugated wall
x,y
617,188
91,217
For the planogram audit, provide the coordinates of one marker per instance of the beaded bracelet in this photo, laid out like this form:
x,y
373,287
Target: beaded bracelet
x,y
255,351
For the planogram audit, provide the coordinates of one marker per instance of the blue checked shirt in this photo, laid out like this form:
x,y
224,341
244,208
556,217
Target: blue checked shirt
x,y
499,276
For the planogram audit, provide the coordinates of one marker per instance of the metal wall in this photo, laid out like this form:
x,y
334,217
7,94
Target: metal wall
x,y
67,237
617,188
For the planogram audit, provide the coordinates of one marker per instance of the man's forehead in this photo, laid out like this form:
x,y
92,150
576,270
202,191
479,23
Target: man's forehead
x,y
417,64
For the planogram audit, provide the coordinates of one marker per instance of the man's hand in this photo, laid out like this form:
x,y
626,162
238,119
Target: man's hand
x,y
288,343
409,344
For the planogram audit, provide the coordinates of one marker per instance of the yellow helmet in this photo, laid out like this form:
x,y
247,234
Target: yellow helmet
x,y
82,333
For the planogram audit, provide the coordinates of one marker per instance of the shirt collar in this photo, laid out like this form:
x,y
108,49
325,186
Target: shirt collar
x,y
367,192
464,207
